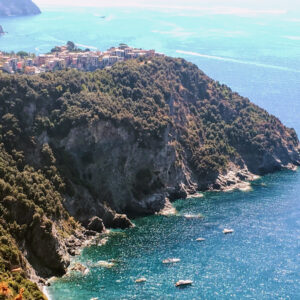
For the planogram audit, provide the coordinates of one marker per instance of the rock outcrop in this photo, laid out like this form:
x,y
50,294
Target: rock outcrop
x,y
11,8
96,224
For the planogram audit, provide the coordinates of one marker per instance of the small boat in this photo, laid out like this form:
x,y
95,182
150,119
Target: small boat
x,y
191,216
171,260
200,239
142,279
183,283
226,231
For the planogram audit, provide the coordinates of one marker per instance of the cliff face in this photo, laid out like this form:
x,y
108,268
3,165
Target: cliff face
x,y
124,140
10,8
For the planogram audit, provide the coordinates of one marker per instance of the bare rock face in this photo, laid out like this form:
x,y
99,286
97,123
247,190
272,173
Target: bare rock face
x,y
48,255
131,178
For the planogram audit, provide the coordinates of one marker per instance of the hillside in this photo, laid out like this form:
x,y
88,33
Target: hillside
x,y
10,8
125,140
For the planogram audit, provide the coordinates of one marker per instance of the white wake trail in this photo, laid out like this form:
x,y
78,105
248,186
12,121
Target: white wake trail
x,y
245,62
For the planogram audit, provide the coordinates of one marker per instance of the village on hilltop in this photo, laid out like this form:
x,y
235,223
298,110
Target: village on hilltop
x,y
69,56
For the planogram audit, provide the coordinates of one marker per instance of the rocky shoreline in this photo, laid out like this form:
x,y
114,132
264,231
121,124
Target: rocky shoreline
x,y
233,180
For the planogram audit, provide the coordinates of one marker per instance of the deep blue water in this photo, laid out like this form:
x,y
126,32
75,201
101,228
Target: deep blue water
x,y
258,56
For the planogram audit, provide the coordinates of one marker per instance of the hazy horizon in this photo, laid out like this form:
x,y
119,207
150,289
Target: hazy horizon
x,y
267,6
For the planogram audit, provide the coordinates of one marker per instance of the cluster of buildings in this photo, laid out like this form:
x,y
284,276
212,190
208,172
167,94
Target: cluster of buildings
x,y
62,57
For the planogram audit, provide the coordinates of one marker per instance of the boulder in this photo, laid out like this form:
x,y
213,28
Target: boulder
x,y
121,221
96,224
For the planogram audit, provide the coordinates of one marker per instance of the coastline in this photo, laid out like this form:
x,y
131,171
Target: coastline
x,y
168,210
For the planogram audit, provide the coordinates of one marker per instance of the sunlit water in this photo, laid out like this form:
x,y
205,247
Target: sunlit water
x,y
260,260
257,56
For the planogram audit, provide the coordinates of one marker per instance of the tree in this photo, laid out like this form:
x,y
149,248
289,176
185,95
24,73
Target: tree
x,y
70,45
22,54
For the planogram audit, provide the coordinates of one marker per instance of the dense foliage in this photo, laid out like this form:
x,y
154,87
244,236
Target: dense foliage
x,y
210,121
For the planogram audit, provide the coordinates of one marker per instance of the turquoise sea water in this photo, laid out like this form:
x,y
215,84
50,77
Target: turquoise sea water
x,y
257,55
260,260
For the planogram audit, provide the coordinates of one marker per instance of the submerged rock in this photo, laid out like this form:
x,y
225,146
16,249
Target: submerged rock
x,y
104,264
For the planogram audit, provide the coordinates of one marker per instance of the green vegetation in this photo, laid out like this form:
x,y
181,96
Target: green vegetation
x,y
208,125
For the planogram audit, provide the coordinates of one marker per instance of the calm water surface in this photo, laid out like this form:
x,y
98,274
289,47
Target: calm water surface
x,y
258,56
260,260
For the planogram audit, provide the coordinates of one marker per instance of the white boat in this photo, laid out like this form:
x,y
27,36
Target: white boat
x,y
184,283
142,279
171,260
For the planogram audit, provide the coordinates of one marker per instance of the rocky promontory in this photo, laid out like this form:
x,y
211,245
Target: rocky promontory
x,y
80,152
11,8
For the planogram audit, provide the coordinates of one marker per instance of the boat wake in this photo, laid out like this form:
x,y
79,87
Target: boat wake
x,y
233,60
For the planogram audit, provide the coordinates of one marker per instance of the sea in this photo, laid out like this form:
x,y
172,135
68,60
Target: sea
x,y
257,53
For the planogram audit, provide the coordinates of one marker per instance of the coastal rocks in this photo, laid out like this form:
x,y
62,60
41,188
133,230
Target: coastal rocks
x,y
96,224
168,209
121,221
80,268
195,195
178,192
234,178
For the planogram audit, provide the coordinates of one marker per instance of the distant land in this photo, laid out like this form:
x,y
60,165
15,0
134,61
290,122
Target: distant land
x,y
10,8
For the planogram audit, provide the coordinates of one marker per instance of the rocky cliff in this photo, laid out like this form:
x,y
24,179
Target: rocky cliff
x,y
10,8
91,147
